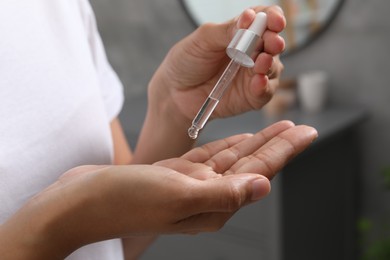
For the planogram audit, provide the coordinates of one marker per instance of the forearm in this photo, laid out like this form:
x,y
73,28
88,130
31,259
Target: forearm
x,y
75,211
15,244
34,232
67,215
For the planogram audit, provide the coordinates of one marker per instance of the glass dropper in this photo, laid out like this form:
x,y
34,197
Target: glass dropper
x,y
212,100
245,44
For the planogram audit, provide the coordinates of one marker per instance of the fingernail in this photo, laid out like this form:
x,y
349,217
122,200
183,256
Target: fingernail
x,y
314,134
280,9
260,188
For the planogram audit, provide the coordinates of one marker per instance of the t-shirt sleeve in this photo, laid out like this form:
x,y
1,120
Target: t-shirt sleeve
x,y
110,85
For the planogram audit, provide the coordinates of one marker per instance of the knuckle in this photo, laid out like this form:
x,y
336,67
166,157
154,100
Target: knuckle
x,y
205,27
235,200
281,67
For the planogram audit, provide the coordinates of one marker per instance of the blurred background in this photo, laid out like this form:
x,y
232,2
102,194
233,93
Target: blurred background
x,y
346,212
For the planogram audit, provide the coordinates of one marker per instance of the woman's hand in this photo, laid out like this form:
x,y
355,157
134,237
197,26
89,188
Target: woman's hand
x,y
189,72
197,192
194,65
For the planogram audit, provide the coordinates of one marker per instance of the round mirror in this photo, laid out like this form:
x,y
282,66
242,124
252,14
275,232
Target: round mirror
x,y
305,18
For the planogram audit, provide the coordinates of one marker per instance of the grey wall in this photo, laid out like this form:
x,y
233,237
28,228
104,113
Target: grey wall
x,y
137,35
354,50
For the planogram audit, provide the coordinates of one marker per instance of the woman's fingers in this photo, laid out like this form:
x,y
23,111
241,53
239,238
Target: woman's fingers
x,y
276,153
274,44
217,37
276,21
263,63
224,159
264,153
205,152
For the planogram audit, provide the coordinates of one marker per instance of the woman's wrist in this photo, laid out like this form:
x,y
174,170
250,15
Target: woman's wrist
x,y
164,132
162,105
163,136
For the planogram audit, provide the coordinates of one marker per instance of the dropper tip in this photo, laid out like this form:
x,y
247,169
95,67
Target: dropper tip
x,y
193,132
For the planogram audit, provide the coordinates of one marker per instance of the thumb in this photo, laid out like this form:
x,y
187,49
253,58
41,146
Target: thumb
x,y
220,198
230,193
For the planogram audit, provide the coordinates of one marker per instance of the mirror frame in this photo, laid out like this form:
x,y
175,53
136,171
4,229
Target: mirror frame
x,y
313,37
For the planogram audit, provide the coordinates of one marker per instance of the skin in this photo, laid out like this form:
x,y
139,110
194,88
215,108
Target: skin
x,y
188,73
190,190
196,192
186,77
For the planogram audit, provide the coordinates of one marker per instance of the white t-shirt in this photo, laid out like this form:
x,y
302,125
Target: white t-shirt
x,y
57,96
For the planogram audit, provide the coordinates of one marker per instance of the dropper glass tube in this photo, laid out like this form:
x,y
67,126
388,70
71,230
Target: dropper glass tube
x,y
245,44
212,100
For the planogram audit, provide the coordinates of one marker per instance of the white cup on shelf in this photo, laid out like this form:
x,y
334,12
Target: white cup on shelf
x,y
312,91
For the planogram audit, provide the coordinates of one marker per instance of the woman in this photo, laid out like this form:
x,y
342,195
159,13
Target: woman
x,y
59,105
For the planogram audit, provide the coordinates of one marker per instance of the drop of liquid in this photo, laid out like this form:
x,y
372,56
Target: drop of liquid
x,y
193,132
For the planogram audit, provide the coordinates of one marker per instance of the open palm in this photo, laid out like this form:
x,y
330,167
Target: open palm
x,y
265,153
